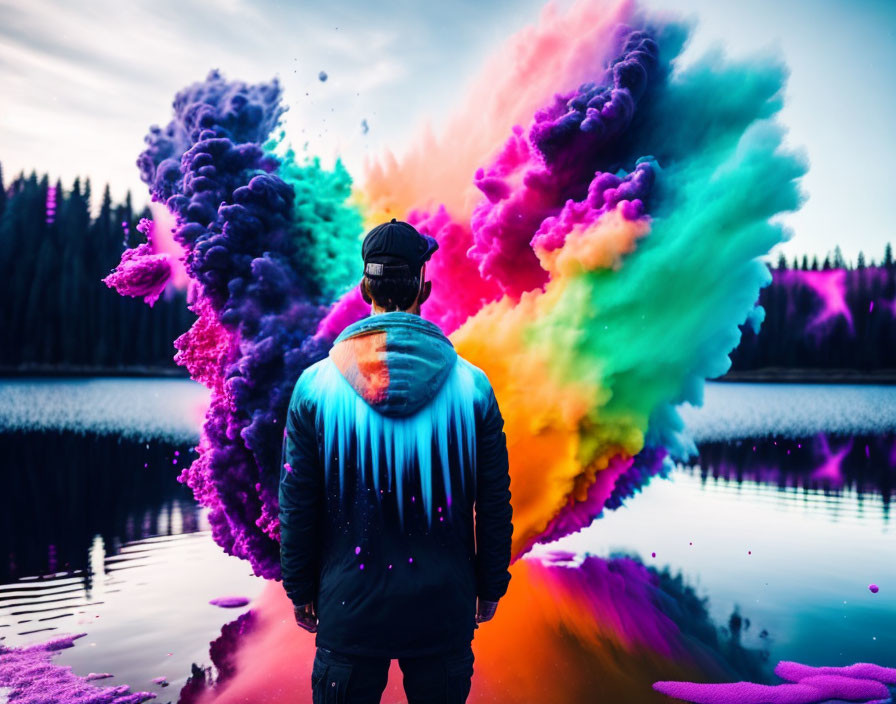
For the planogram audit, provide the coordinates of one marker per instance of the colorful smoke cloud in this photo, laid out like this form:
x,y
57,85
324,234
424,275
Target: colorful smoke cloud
x,y
600,227
601,213
255,226
611,256
629,204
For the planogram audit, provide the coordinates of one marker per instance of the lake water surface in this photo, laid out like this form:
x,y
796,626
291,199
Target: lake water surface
x,y
781,523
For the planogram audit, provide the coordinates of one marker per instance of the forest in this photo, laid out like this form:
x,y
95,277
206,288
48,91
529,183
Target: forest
x,y
59,317
58,314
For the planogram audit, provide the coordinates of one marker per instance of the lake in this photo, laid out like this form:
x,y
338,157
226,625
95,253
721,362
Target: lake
x,y
780,523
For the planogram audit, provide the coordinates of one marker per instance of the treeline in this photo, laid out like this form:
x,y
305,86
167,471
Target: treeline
x,y
829,315
57,313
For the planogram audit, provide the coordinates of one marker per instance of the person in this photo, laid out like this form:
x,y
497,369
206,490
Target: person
x,y
395,514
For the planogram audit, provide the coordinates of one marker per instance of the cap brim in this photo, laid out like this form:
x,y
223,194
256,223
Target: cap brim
x,y
431,247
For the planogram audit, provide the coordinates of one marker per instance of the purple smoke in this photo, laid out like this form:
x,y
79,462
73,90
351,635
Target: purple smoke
x,y
569,141
257,315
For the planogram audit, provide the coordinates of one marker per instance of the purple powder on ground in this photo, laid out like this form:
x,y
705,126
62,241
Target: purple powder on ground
x,y
31,677
812,690
795,672
230,602
862,682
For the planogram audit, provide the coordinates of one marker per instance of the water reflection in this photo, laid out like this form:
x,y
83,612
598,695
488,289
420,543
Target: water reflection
x,y
63,491
98,537
826,466
767,544
789,533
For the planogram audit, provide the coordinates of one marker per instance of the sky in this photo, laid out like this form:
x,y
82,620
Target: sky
x,y
81,82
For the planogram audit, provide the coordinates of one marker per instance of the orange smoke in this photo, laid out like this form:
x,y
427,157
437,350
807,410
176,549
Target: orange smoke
x,y
554,55
544,411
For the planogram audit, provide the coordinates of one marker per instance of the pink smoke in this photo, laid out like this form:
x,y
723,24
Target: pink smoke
x,y
459,290
163,226
141,272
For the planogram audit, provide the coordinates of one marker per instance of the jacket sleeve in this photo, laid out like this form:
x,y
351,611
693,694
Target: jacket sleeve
x,y
493,510
301,501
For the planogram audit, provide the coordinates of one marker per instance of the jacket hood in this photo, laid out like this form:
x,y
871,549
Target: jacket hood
x,y
397,361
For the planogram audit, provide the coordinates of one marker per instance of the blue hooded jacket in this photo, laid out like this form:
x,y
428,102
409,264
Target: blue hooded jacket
x,y
393,444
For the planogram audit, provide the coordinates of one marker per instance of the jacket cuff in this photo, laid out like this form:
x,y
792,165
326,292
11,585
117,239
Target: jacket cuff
x,y
300,597
490,594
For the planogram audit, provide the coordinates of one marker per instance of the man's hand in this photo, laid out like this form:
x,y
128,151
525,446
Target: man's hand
x,y
485,610
306,617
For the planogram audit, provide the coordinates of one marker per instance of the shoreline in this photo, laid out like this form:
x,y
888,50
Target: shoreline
x,y
796,375
50,371
783,375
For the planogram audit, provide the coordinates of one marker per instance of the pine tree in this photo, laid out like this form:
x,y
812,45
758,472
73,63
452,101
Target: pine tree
x,y
839,262
2,193
888,256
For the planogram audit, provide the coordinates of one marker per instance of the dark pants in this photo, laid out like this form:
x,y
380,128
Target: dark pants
x,y
352,679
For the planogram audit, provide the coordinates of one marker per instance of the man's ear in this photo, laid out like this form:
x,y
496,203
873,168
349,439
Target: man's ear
x,y
365,294
424,294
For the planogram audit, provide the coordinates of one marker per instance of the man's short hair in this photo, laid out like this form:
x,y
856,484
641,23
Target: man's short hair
x,y
394,291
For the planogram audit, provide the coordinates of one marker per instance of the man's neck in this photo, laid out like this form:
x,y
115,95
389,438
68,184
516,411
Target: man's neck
x,y
376,310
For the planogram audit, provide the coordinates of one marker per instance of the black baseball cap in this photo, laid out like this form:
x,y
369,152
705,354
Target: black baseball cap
x,y
396,248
